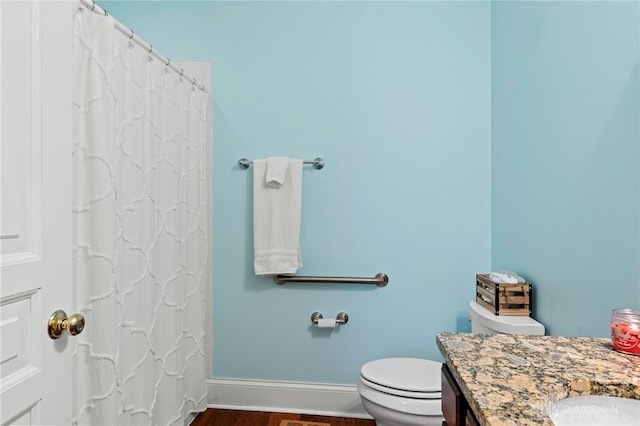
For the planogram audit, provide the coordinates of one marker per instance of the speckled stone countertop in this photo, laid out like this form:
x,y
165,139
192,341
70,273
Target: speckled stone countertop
x,y
512,380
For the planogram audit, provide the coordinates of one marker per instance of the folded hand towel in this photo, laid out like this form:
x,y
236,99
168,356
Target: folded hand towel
x,y
276,171
276,220
506,277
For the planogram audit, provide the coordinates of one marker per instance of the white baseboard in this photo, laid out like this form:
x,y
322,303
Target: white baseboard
x,y
286,397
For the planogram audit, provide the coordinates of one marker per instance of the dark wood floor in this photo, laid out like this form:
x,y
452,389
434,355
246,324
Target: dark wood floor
x,y
217,417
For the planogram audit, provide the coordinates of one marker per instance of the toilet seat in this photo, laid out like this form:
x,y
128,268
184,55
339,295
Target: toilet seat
x,y
414,406
404,377
401,392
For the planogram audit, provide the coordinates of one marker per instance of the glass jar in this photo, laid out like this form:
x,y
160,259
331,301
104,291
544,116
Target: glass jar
x,y
625,330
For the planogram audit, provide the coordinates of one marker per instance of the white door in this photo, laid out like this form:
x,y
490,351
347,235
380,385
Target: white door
x,y
35,210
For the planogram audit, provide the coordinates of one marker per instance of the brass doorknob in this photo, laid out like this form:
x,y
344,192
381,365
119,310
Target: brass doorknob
x,y
58,322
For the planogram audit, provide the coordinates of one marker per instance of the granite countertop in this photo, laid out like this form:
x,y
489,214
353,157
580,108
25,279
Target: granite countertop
x,y
512,380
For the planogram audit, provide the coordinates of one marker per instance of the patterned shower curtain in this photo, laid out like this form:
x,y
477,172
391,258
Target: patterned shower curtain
x,y
140,232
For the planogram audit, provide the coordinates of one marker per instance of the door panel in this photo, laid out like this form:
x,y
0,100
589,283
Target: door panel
x,y
35,210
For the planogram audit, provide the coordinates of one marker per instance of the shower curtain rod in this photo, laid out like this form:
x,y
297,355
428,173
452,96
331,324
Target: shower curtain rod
x,y
93,7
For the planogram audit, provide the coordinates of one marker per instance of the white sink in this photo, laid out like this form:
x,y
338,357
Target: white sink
x,y
595,410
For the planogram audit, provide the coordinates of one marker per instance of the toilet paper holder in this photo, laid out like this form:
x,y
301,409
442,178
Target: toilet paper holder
x,y
341,318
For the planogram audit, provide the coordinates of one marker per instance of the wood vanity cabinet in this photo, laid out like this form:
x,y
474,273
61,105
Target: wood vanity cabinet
x,y
471,419
455,409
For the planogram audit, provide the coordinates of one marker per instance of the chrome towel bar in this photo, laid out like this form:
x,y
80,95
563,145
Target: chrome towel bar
x,y
318,163
380,280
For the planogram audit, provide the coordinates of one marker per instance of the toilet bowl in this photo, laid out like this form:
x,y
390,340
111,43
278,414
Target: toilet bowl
x,y
402,391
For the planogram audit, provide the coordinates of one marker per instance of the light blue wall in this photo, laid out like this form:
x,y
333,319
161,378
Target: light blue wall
x,y
459,137
565,157
396,98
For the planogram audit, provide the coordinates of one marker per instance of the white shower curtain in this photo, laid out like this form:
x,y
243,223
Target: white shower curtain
x,y
140,231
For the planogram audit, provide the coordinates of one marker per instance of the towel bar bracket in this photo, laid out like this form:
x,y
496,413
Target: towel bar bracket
x,y
380,280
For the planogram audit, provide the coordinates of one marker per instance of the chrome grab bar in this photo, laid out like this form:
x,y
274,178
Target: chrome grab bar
x,y
380,280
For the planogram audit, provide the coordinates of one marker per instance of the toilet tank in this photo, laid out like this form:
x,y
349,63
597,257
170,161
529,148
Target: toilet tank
x,y
485,322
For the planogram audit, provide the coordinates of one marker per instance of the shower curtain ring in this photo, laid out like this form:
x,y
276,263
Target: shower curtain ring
x,y
131,36
168,61
93,5
181,71
150,49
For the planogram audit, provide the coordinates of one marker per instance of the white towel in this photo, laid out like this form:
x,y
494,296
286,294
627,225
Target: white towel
x,y
506,277
276,220
276,171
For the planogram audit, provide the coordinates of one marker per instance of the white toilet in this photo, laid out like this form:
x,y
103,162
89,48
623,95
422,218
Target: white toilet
x,y
484,322
406,391
402,391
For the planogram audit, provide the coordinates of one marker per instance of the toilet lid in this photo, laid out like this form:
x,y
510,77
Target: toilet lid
x,y
406,374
